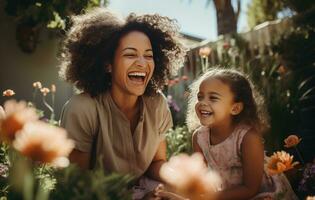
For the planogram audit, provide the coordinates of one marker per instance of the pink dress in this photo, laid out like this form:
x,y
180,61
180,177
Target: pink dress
x,y
225,159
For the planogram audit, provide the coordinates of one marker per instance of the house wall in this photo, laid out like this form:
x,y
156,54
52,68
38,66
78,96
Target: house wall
x,y
19,70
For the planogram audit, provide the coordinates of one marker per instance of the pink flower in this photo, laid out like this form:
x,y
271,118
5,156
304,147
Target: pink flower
x,y
37,85
185,78
8,93
44,143
17,114
226,45
44,91
190,177
291,141
205,52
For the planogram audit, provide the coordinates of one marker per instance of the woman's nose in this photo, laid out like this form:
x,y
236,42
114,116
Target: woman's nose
x,y
141,61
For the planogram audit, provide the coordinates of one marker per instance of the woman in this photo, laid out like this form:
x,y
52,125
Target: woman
x,y
120,65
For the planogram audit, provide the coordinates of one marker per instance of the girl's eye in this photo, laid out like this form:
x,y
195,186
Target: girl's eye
x,y
199,98
214,98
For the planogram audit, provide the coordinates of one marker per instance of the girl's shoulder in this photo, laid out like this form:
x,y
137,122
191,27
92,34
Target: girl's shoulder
x,y
201,133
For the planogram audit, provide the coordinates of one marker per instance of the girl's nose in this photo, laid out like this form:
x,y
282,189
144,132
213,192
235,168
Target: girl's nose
x,y
202,103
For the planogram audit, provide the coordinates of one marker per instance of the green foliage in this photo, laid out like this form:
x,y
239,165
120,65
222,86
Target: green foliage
x,y
179,140
261,11
28,180
32,16
51,13
299,5
73,184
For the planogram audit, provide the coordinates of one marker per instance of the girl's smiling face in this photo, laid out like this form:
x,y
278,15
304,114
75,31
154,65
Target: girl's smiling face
x,y
133,64
215,105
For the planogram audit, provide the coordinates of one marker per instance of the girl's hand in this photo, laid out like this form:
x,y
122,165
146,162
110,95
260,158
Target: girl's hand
x,y
161,193
169,196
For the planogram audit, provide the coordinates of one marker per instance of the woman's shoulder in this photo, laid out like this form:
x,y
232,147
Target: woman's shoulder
x,y
157,99
81,102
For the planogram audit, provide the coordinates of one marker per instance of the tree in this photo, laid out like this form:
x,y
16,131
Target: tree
x,y
261,11
226,16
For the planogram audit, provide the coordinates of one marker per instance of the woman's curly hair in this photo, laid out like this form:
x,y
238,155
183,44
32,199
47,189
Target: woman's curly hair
x,y
91,43
254,111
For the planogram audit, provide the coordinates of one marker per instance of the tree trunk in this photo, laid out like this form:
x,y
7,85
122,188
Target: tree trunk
x,y
226,16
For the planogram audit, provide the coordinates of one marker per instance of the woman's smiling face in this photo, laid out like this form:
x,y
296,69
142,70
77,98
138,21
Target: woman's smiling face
x,y
133,64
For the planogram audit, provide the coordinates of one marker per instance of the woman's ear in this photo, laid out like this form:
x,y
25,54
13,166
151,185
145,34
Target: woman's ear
x,y
237,108
108,68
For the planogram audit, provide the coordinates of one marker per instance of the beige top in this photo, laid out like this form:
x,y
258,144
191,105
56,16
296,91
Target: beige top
x,y
99,121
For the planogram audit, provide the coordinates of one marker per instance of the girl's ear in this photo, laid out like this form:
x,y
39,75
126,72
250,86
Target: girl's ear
x,y
237,108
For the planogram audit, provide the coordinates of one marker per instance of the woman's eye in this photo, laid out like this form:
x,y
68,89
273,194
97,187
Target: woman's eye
x,y
148,56
130,55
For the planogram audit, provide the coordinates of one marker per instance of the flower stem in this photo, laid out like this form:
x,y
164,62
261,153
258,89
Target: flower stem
x,y
299,155
34,96
52,116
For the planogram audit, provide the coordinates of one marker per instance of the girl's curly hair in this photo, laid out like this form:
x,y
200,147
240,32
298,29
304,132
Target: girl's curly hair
x,y
254,111
91,43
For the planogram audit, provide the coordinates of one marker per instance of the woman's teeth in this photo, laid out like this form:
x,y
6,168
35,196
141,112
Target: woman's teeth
x,y
137,76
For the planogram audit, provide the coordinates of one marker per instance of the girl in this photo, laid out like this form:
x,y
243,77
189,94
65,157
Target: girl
x,y
231,121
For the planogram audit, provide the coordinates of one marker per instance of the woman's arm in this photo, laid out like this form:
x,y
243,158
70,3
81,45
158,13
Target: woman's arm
x,y
158,160
82,159
252,151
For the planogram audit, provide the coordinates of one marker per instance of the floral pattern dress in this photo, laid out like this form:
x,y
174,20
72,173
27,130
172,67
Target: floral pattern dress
x,y
225,159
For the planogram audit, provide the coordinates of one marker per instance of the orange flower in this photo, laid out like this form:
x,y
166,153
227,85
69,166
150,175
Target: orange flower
x,y
190,177
16,115
279,162
8,93
310,198
44,143
204,52
291,141
44,91
176,80
53,88
185,78
226,45
170,83
37,85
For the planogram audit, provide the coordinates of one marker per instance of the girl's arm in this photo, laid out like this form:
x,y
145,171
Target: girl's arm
x,y
252,151
196,146
158,160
